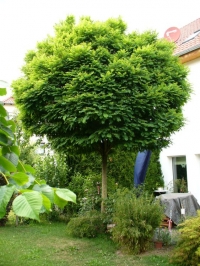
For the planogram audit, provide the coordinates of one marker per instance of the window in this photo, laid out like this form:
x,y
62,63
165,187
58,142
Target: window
x,y
179,174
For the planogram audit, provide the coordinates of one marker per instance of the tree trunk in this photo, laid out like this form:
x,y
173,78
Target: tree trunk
x,y
104,154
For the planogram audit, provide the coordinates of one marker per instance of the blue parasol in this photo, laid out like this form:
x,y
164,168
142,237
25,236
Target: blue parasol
x,y
141,165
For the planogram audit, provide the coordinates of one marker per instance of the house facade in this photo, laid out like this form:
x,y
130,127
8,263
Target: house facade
x,y
10,106
181,160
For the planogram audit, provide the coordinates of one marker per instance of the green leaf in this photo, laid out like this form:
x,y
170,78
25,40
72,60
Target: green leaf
x,y
45,190
14,149
12,157
2,91
21,167
42,181
109,135
3,111
29,169
6,193
30,182
7,165
3,139
105,115
59,202
25,168
28,205
11,124
20,178
46,204
125,137
65,194
4,129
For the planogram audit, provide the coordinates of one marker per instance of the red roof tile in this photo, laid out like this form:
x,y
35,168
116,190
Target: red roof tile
x,y
189,39
9,101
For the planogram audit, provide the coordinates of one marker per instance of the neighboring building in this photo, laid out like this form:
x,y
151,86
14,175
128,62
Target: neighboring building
x,y
10,107
182,158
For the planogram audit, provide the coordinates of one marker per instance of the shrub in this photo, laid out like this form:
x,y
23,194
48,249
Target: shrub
x,y
86,190
187,250
154,177
136,217
88,225
109,208
166,237
56,215
163,235
53,169
121,168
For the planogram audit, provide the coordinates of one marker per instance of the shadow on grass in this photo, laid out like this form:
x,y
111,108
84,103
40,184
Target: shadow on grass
x,y
48,244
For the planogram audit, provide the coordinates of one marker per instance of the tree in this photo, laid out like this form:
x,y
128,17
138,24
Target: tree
x,y
93,86
17,182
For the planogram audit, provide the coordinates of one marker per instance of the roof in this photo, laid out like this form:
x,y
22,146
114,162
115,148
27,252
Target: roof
x,y
9,101
189,39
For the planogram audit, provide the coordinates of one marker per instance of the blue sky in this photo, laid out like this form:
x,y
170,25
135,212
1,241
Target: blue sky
x,y
25,22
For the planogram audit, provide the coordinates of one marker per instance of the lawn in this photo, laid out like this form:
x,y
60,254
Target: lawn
x,y
48,244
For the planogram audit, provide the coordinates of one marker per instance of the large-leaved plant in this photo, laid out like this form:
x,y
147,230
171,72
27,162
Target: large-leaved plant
x,y
31,196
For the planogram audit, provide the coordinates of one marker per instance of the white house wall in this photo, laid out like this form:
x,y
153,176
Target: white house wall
x,y
186,142
11,109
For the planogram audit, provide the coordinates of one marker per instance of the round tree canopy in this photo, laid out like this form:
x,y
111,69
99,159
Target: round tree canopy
x,y
94,83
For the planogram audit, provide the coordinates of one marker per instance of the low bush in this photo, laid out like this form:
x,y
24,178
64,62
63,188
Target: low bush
x,y
88,225
163,235
166,237
136,216
187,250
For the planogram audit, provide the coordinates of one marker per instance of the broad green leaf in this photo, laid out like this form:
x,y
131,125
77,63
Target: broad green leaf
x,y
59,202
12,157
2,211
21,167
2,91
3,139
7,165
3,111
11,124
42,181
6,193
20,178
4,129
28,204
29,168
65,194
30,182
46,204
3,121
25,168
45,190
14,149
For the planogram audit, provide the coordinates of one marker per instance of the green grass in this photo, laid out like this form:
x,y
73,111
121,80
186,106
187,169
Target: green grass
x,y
48,244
